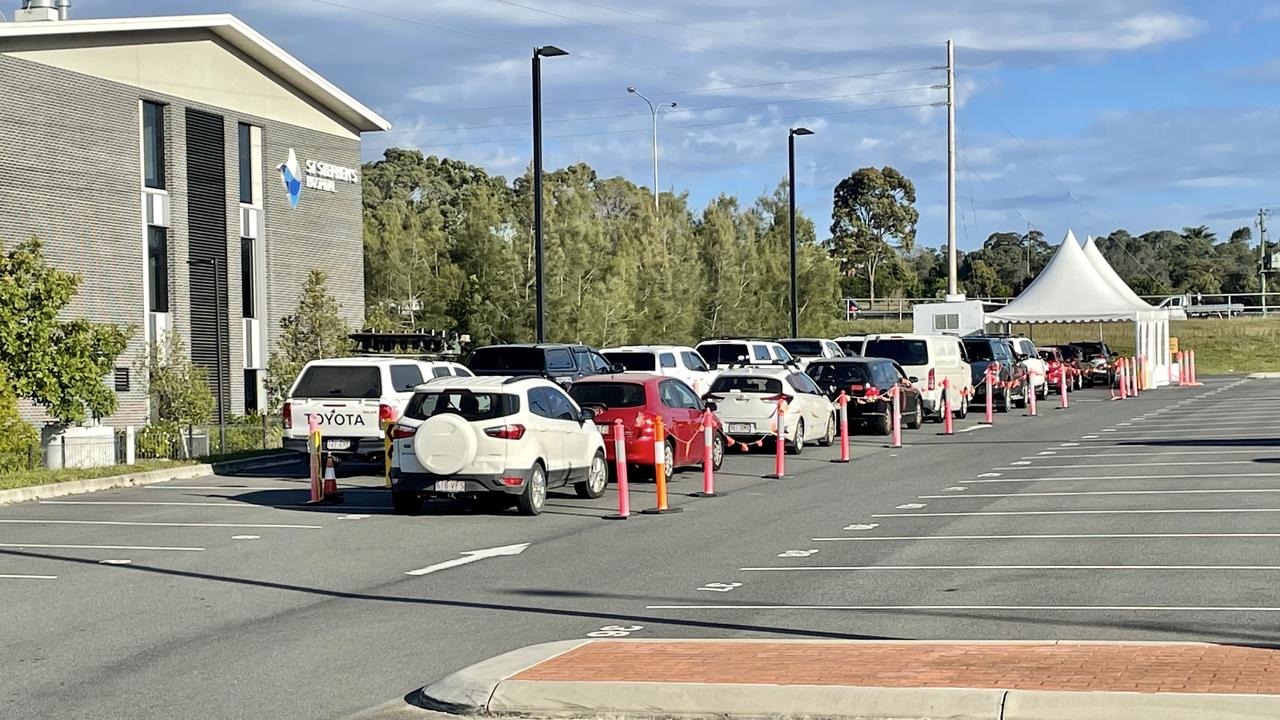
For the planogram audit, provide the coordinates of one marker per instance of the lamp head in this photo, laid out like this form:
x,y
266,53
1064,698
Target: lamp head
x,y
549,51
801,131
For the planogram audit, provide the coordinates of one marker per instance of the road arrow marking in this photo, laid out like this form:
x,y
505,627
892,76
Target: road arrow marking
x,y
470,557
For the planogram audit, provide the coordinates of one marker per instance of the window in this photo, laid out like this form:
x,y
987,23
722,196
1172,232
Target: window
x,y
583,357
669,396
852,348
470,405
687,397
780,354
157,269
404,378
339,381
559,359
668,360
250,392
461,371
507,360
980,350
760,353
247,304
246,164
598,362
803,348
608,394
694,361
153,145
746,384
551,403
838,374
723,353
439,371
632,361
885,375
802,384
906,352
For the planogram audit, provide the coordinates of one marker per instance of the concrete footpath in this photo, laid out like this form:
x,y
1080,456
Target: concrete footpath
x,y
869,680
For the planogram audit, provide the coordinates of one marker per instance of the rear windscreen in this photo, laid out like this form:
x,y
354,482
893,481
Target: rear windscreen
x,y
1070,352
803,348
632,361
610,395
1092,348
850,347
725,353
838,374
513,360
906,352
470,405
339,381
977,350
747,383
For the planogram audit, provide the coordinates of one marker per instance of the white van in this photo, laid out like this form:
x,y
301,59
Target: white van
x,y
677,361
726,353
353,398
929,359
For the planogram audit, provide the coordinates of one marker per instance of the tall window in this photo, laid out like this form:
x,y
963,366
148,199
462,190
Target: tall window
x,y
153,145
246,165
158,269
246,278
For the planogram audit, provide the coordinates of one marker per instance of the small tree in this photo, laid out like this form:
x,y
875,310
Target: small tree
x,y
178,387
873,214
18,439
314,331
57,364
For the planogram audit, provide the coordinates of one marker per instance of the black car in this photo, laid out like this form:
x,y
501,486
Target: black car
x,y
981,353
1099,360
866,382
1074,357
561,363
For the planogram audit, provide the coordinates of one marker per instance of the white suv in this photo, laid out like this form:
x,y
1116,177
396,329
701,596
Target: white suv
x,y
484,436
677,361
353,399
805,350
739,352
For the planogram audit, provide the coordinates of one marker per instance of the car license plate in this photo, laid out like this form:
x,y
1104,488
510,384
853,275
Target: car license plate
x,y
603,429
451,486
337,444
741,427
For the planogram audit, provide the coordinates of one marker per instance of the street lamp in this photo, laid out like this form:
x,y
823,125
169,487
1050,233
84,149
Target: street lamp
x,y
791,178
540,313
218,318
653,114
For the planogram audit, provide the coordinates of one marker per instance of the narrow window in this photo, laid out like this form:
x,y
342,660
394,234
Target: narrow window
x,y
247,305
158,268
246,166
153,145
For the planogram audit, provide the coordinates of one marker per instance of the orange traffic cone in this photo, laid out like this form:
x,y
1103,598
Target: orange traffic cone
x,y
331,493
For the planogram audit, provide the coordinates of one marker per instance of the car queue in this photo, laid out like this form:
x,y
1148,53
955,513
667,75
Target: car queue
x,y
517,420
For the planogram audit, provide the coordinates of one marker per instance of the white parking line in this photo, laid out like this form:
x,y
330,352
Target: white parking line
x,y
1125,477
301,487
1196,511
1210,431
1126,454
971,428
8,576
1101,492
156,524
1097,536
945,568
102,547
999,608
1155,463
213,504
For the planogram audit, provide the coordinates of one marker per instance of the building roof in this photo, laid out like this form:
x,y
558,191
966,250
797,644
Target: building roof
x,y
231,30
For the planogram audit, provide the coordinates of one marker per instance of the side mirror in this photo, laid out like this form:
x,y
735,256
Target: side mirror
x,y
711,405
617,368
586,415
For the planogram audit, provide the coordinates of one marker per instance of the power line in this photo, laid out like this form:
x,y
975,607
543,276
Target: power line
x,y
683,127
671,112
692,91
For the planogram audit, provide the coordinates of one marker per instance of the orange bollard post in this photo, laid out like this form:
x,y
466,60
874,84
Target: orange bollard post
x,y
313,450
708,456
843,402
1134,387
989,418
1194,380
1063,403
1122,379
895,397
620,473
660,469
780,441
948,422
1031,394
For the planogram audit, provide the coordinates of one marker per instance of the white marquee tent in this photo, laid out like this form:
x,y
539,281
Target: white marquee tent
x,y
1080,286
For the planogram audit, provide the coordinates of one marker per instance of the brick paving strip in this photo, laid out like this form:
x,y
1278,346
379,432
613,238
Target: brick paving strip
x,y
1049,666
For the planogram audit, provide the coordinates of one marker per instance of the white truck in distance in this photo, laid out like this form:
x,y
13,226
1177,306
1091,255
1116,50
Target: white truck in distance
x,y
1186,306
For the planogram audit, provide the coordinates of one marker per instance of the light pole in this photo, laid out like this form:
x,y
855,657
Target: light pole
x,y
653,114
791,181
540,313
217,317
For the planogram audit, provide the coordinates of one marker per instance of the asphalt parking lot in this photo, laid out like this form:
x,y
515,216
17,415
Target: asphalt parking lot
x,y
1152,518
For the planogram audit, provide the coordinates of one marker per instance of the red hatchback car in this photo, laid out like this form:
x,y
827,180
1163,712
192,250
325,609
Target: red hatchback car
x,y
635,399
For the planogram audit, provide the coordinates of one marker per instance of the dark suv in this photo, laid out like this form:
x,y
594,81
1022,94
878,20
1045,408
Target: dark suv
x,y
981,352
561,363
1074,357
1098,361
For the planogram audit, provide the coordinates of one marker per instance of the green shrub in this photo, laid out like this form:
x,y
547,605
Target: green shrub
x,y
160,439
245,433
19,441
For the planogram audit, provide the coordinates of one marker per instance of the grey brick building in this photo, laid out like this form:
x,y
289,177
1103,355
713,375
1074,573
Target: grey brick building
x,y
147,154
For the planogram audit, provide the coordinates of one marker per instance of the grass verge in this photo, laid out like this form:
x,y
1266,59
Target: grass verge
x,y
27,478
1223,346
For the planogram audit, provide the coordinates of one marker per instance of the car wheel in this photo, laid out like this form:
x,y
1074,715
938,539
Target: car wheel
x,y
963,411
406,503
669,458
884,425
1006,403
717,451
1043,392
829,437
534,497
917,417
597,478
796,446
1022,401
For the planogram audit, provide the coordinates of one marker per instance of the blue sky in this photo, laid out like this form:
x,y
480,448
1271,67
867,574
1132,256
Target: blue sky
x,y
1092,114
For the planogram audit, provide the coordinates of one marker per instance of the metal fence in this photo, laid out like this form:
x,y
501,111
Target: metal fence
x,y
1238,304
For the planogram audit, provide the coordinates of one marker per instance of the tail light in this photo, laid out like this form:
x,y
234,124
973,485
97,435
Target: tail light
x,y
506,432
856,387
400,432
933,380
643,427
387,414
286,416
